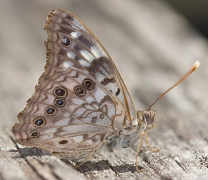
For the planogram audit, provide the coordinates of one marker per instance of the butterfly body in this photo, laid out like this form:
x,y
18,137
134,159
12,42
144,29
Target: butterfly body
x,y
126,137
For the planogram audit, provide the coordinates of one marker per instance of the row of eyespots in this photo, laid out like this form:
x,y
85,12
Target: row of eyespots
x,y
87,84
61,93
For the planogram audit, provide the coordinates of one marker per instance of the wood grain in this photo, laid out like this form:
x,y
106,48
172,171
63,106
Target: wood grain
x,y
152,47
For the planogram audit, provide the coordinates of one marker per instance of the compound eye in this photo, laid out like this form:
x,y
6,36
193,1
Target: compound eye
x,y
149,118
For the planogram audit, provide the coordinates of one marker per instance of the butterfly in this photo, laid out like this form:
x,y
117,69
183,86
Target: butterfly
x,y
81,102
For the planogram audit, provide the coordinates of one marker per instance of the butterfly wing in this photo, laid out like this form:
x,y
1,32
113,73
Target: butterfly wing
x,y
69,112
80,97
74,45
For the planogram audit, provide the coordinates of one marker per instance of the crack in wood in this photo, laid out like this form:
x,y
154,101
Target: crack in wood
x,y
30,165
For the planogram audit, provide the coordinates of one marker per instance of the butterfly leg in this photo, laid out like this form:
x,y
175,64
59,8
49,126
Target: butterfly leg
x,y
90,155
153,125
147,142
137,152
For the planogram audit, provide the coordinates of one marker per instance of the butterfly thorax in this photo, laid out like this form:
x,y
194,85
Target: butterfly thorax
x,y
131,134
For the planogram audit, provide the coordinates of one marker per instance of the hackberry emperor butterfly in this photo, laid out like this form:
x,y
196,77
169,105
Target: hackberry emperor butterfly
x,y
81,101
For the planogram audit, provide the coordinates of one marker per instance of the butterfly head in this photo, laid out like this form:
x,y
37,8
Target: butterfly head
x,y
147,116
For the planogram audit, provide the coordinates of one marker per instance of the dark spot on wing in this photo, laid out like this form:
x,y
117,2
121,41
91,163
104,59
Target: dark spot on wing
x,y
60,102
50,111
76,75
80,91
34,134
118,92
88,84
60,92
63,141
107,80
70,18
94,120
102,116
65,41
38,122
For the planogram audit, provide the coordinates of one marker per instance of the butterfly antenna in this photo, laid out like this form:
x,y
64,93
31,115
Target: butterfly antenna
x,y
193,68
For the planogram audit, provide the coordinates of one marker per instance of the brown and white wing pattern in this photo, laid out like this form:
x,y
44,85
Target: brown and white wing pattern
x,y
80,98
71,43
70,113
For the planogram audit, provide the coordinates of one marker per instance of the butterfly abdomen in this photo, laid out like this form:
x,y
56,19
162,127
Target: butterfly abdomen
x,y
126,137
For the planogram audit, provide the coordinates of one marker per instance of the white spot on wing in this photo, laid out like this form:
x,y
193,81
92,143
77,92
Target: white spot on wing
x,y
96,106
71,55
87,55
89,99
67,64
99,94
99,77
89,142
77,139
50,131
79,112
62,122
84,63
75,34
89,107
67,114
96,52
77,101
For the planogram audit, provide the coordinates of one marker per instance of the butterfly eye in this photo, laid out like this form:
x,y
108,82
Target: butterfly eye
x,y
38,122
34,134
88,84
80,91
60,102
60,91
51,111
65,41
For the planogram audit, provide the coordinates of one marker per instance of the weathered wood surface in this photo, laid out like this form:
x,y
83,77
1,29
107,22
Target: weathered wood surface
x,y
152,47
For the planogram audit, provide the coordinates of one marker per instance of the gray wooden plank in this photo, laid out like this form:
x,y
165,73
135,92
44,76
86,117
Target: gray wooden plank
x,y
18,162
12,166
152,47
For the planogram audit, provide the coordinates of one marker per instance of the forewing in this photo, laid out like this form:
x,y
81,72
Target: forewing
x,y
70,43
